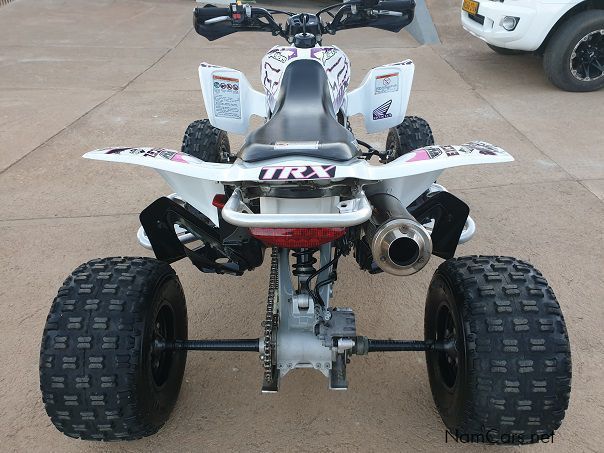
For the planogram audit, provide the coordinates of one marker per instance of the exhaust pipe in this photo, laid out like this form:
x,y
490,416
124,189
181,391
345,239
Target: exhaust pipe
x,y
400,245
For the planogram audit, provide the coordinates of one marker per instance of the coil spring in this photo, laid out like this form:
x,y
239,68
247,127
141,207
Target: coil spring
x,y
305,261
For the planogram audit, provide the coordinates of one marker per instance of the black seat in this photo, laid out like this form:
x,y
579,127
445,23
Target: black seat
x,y
304,122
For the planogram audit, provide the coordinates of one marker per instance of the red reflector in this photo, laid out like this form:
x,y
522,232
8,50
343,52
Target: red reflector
x,y
219,200
295,238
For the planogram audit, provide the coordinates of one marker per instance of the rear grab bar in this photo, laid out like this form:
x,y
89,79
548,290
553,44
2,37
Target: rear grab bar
x,y
352,212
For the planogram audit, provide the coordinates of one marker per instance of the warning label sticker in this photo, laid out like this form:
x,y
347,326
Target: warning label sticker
x,y
386,83
227,97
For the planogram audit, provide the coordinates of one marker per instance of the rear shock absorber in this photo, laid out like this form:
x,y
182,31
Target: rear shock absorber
x,y
304,265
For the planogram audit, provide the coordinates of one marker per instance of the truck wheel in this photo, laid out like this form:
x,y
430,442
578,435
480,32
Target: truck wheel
x,y
574,57
100,376
507,377
413,133
206,142
504,51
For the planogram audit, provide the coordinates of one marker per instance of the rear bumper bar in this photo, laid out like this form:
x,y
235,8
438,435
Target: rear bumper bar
x,y
352,212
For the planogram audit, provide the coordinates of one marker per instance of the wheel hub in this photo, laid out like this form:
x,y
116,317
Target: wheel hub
x,y
161,359
447,333
587,58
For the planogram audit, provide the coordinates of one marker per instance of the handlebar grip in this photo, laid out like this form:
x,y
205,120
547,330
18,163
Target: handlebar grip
x,y
212,31
210,12
396,5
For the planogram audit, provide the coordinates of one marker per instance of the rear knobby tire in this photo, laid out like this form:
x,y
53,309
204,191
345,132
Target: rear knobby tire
x,y
99,374
206,142
413,133
508,379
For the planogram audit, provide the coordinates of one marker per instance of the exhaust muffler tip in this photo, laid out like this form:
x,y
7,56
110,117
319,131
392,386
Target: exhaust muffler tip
x,y
401,246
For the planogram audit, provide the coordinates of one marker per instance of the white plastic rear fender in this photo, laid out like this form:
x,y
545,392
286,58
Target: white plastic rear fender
x,y
197,181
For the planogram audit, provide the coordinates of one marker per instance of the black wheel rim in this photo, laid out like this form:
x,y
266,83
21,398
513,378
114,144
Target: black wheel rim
x,y
587,58
447,331
161,360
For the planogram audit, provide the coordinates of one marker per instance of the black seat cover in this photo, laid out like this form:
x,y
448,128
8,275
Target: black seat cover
x,y
303,113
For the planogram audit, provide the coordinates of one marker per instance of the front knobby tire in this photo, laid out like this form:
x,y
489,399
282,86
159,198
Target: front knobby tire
x,y
413,133
100,376
508,378
206,142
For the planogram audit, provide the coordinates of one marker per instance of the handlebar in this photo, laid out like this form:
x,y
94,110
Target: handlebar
x,y
216,22
390,15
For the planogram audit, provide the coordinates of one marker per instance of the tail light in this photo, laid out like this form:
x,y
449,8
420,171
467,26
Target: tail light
x,y
294,238
219,200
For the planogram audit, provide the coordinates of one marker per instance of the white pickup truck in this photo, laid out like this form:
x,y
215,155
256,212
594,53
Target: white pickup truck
x,y
568,33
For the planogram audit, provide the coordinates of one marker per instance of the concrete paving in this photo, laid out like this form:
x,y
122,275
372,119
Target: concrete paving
x,y
78,75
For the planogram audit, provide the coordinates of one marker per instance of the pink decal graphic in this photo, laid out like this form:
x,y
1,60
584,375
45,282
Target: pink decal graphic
x,y
178,157
421,154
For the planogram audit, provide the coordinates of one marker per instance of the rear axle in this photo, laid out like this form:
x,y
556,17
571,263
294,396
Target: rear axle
x,y
363,345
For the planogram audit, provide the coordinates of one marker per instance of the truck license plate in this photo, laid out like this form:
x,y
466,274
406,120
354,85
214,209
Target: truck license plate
x,y
470,6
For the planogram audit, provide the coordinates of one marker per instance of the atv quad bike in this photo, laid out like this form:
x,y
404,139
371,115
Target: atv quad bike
x,y
115,343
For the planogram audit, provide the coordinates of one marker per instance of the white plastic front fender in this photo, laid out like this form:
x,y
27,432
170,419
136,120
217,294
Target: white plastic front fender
x,y
229,98
383,96
197,181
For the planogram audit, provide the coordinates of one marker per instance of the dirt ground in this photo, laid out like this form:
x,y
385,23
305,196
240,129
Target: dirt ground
x,y
78,75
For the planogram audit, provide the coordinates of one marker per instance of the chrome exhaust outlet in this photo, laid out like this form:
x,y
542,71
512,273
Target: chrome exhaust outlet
x,y
400,245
